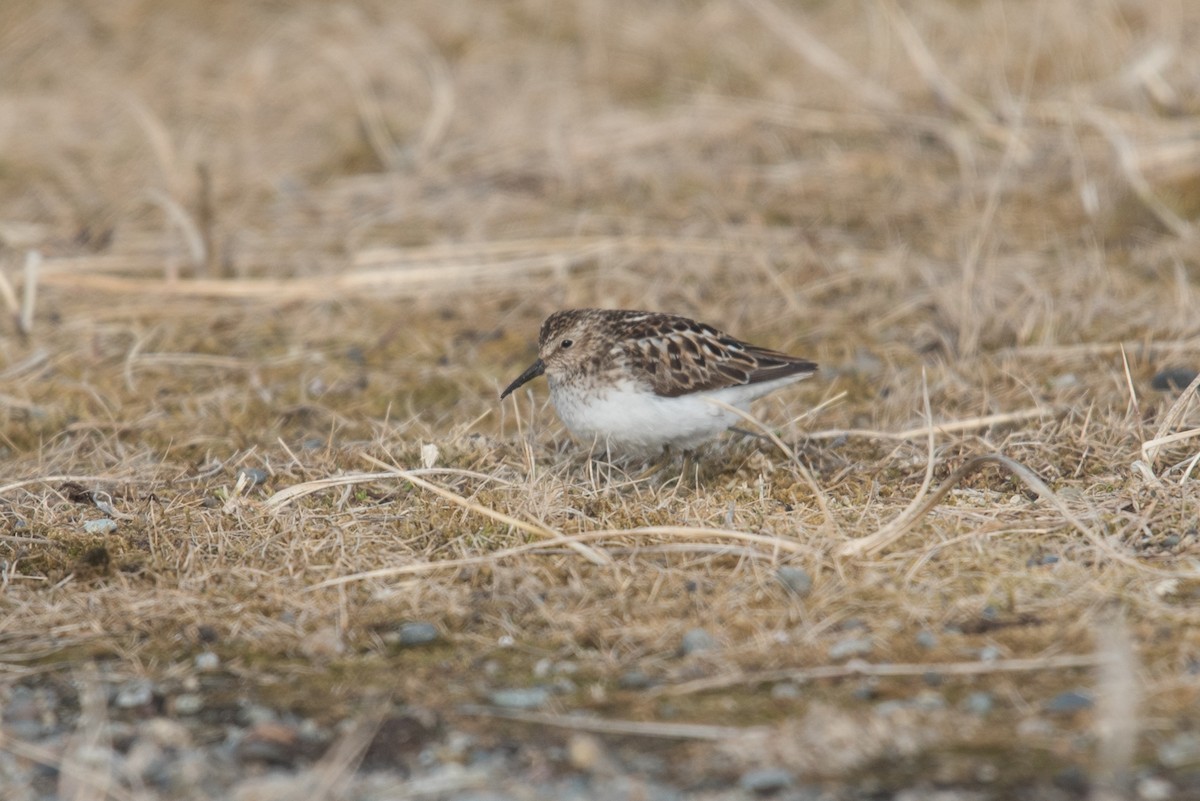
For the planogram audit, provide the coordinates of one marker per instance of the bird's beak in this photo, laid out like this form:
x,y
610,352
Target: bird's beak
x,y
535,369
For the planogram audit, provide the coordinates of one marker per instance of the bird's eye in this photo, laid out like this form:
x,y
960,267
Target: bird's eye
x,y
566,343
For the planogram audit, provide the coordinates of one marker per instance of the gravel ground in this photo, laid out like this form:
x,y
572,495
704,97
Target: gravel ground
x,y
92,737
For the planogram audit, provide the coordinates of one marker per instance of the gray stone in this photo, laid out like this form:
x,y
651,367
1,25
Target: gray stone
x,y
1153,788
520,697
927,640
786,691
764,781
188,704
254,476
1180,751
929,701
696,641
206,661
417,633
133,694
1173,378
1069,702
989,653
100,527
795,579
848,647
634,680
978,703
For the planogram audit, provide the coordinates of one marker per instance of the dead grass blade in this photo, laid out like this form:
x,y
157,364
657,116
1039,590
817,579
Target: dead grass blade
x,y
950,427
914,511
33,267
1100,349
857,667
631,728
1174,415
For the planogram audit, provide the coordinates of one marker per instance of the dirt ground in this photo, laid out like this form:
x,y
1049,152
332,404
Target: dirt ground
x,y
266,530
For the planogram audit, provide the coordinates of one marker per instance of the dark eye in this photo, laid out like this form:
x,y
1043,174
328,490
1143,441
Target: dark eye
x,y
566,343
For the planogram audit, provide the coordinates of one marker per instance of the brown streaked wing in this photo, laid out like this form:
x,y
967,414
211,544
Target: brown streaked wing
x,y
694,357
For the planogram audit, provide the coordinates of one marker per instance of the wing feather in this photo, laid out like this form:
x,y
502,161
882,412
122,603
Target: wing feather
x,y
695,357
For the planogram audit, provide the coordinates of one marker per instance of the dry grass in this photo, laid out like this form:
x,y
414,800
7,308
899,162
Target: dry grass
x,y
312,239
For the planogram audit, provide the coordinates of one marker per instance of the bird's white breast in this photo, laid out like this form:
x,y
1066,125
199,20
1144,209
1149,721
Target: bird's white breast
x,y
632,419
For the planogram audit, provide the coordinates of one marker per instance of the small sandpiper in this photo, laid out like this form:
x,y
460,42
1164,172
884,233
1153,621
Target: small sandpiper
x,y
635,381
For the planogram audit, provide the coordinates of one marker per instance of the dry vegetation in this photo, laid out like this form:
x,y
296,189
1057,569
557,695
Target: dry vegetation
x,y
315,239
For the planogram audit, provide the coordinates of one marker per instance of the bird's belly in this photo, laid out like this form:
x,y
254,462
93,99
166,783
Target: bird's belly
x,y
630,419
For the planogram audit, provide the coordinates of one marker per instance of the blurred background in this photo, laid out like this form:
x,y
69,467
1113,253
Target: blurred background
x,y
878,180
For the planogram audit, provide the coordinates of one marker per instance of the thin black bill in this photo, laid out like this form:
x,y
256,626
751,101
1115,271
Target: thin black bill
x,y
535,369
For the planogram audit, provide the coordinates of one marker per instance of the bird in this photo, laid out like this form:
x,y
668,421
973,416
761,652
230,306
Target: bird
x,y
636,381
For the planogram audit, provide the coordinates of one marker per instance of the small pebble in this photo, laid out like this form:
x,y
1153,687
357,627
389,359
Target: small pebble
x,y
1172,379
1180,751
989,653
696,641
785,691
795,579
634,680
1153,788
850,646
417,633
270,787
252,715
166,733
134,694
585,752
978,703
206,661
867,689
1068,702
520,698
253,475
1074,779
188,704
890,707
929,700
765,781
1064,381
927,640
102,526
